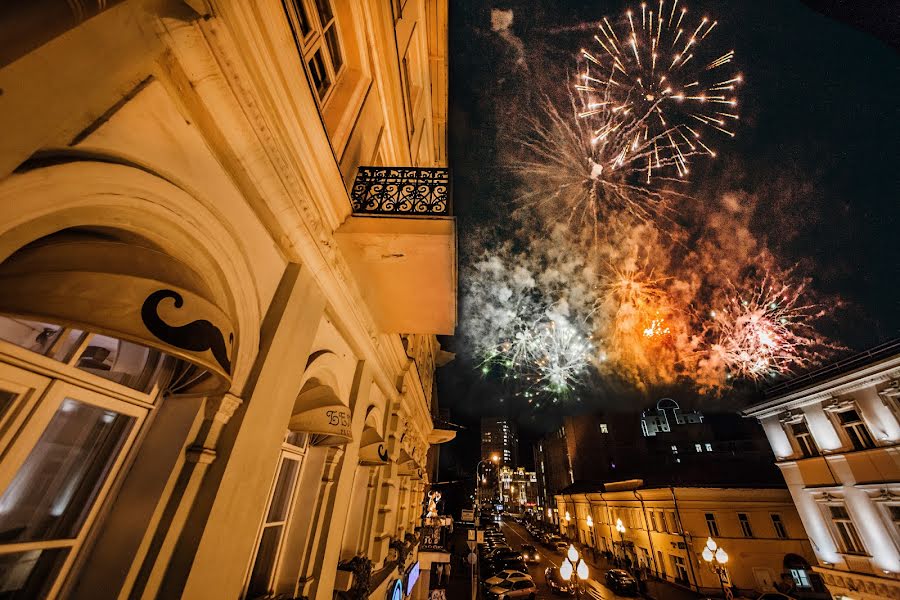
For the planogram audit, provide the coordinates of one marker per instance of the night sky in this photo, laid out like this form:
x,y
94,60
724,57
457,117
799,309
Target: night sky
x,y
817,147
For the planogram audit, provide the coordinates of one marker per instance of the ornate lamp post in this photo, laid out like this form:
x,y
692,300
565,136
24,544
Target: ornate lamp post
x,y
573,564
621,529
716,557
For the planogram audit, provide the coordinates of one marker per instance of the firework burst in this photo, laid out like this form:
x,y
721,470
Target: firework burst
x,y
766,331
652,89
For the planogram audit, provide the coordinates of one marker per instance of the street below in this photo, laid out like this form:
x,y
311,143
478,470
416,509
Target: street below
x,y
516,536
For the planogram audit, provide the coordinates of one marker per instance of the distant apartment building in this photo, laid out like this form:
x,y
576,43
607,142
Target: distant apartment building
x,y
552,470
835,433
500,436
519,488
666,530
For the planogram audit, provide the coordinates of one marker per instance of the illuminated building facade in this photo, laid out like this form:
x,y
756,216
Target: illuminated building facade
x,y
836,437
226,247
666,529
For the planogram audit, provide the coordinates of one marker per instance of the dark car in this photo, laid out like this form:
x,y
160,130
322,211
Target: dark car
x,y
621,582
530,554
557,584
510,564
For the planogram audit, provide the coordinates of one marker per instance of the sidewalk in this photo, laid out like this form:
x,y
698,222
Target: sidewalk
x,y
655,589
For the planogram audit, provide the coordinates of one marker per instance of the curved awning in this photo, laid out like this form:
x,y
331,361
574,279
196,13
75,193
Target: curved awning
x,y
124,290
372,449
320,413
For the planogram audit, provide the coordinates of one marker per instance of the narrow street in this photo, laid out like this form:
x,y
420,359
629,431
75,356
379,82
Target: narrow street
x,y
516,535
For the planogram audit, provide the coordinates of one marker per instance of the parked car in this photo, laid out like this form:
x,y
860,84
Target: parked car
x,y
560,546
530,554
505,575
557,584
513,564
513,589
621,582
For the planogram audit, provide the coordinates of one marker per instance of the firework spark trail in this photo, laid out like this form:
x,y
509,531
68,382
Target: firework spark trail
x,y
639,80
765,331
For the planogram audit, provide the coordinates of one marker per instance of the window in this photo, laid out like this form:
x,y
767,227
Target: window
x,y
604,428
674,449
708,447
894,513
318,37
679,568
662,522
712,525
801,578
848,537
672,520
778,524
804,439
55,476
698,447
744,520
856,430
268,547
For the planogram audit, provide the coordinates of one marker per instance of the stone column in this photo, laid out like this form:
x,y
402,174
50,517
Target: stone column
x,y
214,551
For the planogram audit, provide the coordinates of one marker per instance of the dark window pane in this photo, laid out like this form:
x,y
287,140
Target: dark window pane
x,y
265,562
326,14
55,487
302,17
334,48
281,496
319,75
30,574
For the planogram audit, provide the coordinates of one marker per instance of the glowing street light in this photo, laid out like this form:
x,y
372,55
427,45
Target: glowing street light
x,y
716,557
574,564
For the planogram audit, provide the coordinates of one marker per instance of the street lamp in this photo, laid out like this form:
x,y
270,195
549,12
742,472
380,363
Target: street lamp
x,y
712,552
495,458
573,564
621,529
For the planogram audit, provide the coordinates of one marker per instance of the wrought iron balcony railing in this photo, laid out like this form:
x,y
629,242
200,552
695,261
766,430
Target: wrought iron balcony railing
x,y
415,191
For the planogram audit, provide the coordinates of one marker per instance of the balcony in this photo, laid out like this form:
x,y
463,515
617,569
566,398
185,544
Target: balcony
x,y
400,241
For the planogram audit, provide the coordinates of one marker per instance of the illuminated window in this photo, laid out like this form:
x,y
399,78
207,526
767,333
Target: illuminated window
x,y
604,428
856,430
745,525
318,35
848,536
804,439
711,525
801,578
708,447
698,447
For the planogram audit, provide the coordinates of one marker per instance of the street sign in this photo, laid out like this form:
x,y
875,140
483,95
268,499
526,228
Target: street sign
x,y
473,558
467,515
471,544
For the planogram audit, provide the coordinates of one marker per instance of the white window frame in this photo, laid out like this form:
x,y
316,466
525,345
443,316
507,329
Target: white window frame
x,y
855,430
25,422
288,452
315,41
712,525
845,526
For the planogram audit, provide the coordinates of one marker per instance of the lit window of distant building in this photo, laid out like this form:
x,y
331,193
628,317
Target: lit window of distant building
x,y
708,447
604,428
698,447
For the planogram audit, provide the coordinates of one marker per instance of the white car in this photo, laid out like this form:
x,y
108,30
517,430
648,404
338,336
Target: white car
x,y
507,590
507,575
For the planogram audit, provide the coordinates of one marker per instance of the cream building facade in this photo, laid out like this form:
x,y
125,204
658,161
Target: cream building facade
x,y
667,528
226,247
836,436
